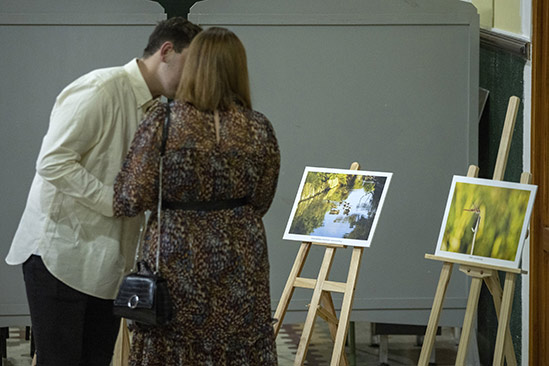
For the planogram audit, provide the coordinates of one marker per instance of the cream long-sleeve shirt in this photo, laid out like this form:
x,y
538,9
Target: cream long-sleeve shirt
x,y
68,218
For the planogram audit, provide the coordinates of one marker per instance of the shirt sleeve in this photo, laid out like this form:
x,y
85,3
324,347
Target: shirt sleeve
x,y
78,119
136,185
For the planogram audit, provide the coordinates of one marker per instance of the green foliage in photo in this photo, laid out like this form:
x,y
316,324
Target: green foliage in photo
x,y
485,220
321,192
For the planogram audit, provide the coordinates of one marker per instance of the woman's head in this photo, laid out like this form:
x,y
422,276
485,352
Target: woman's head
x,y
215,74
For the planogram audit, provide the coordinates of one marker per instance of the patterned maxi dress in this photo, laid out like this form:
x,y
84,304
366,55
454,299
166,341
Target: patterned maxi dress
x,y
215,262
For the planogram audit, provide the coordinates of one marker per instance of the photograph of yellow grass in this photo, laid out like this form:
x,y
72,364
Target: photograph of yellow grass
x,y
337,206
486,221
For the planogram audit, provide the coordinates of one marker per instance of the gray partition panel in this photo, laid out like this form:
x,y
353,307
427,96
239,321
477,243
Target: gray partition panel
x,y
45,46
390,84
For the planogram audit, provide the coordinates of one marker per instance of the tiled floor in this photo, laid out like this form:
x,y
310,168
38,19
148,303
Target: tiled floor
x,y
18,349
402,349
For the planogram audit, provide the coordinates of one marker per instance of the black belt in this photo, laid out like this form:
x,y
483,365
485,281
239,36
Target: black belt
x,y
205,205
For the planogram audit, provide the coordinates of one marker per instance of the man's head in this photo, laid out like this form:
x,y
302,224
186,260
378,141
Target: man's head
x,y
163,58
178,31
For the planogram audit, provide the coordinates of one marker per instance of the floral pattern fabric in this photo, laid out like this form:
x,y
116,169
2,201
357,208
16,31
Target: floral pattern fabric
x,y
215,262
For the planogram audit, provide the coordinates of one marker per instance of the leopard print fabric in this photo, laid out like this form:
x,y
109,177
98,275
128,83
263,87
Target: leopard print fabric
x,y
215,262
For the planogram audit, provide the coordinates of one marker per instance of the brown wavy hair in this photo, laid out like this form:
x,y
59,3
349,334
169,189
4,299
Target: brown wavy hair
x,y
215,74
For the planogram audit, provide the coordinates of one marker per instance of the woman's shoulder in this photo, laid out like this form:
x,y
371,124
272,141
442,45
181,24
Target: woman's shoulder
x,y
156,110
254,116
180,105
160,107
259,122
184,110
178,110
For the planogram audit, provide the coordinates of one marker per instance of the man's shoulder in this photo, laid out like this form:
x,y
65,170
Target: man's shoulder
x,y
103,81
104,77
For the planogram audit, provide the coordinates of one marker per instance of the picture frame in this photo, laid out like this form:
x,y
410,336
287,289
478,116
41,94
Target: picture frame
x,y
337,206
486,221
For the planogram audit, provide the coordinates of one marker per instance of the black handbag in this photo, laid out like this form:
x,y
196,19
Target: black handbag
x,y
143,295
144,298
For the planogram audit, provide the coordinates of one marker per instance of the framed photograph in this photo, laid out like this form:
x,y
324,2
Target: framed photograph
x,y
337,206
486,221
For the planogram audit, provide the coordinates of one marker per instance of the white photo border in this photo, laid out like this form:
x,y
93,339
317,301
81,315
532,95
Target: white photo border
x,y
476,259
332,240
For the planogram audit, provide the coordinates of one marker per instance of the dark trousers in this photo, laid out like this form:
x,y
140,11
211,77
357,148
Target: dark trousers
x,y
69,328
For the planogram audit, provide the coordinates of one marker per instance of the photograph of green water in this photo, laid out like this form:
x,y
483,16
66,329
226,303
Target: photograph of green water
x,y
337,206
486,221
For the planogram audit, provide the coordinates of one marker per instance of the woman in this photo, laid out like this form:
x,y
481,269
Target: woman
x,y
220,176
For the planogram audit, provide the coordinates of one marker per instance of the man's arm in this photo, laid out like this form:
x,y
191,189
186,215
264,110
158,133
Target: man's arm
x,y
76,124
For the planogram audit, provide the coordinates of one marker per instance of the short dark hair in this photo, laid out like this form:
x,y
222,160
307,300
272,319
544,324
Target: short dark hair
x,y
177,30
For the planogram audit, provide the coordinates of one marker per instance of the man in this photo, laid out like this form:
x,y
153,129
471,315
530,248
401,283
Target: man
x,y
74,252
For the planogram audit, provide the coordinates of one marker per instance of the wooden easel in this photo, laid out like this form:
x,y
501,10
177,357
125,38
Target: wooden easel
x,y
503,299
122,347
321,301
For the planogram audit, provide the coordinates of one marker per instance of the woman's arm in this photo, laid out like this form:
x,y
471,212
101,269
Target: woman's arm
x,y
266,188
136,185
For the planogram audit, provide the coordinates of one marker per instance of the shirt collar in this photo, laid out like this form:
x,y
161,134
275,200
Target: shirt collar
x,y
140,89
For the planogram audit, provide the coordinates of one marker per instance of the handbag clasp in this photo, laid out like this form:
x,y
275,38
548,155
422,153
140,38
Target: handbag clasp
x,y
133,301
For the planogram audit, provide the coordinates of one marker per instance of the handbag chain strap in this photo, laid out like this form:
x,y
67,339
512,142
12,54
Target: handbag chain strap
x,y
143,228
142,232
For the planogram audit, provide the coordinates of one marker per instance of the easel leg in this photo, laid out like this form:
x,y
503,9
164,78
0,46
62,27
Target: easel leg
x,y
289,288
328,304
122,348
430,333
472,303
494,286
503,338
346,306
315,302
